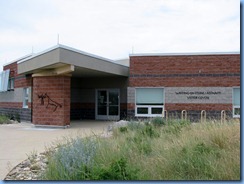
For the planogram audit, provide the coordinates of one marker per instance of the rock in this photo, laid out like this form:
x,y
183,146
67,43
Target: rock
x,y
13,172
45,160
35,167
26,169
37,159
26,163
121,123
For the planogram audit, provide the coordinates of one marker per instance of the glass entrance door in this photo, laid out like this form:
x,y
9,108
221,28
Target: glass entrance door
x,y
107,104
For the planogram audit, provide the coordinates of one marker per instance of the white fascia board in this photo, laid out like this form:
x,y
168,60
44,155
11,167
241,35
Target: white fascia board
x,y
84,53
19,59
90,55
39,53
184,54
70,49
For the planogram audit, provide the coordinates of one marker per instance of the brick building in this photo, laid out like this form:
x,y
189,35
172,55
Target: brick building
x,y
62,83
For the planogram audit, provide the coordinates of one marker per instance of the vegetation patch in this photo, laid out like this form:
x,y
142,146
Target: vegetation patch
x,y
9,119
4,120
173,150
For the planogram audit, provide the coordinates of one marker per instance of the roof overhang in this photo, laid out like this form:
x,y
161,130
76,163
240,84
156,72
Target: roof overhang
x,y
61,60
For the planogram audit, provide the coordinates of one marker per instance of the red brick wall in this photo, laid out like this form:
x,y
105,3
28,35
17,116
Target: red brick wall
x,y
11,104
13,69
21,81
184,71
58,89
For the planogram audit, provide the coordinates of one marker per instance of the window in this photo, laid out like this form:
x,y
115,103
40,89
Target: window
x,y
149,102
11,84
236,102
25,97
4,76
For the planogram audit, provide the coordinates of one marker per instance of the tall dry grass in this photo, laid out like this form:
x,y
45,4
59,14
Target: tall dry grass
x,y
176,150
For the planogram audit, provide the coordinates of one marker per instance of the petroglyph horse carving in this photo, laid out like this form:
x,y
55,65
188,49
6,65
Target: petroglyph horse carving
x,y
49,101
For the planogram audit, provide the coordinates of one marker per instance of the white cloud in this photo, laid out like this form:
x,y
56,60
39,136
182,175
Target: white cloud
x,y
110,28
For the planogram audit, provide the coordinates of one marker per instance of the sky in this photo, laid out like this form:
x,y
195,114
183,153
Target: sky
x,y
116,28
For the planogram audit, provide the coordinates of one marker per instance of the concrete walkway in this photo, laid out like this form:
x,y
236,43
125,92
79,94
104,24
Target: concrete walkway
x,y
19,140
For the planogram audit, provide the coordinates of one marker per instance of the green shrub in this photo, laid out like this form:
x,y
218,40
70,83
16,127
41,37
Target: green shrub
x,y
123,129
134,125
117,170
72,161
174,126
4,119
149,131
158,121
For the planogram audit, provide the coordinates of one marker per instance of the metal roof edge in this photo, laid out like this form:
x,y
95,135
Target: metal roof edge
x,y
70,49
184,54
84,53
89,54
40,53
18,60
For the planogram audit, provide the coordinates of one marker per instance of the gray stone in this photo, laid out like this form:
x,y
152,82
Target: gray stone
x,y
26,169
121,123
26,163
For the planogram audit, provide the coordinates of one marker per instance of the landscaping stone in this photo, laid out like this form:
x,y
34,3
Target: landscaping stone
x,y
121,123
29,169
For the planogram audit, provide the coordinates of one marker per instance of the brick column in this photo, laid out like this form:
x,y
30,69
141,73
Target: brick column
x,y
51,101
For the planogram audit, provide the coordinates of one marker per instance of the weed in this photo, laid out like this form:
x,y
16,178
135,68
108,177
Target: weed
x,y
194,162
32,156
175,126
149,131
219,140
135,125
158,121
123,129
4,119
73,160
117,170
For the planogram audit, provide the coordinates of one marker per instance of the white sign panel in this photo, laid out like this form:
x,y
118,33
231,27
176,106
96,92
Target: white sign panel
x,y
210,95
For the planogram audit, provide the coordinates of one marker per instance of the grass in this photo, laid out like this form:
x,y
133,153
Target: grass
x,y
173,150
4,119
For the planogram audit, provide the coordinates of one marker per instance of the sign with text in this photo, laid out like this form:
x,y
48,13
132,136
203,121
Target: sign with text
x,y
198,95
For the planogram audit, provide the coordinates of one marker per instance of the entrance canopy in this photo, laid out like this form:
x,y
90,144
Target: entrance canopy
x,y
63,60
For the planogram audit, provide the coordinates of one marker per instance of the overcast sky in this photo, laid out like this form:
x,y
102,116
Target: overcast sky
x,y
113,28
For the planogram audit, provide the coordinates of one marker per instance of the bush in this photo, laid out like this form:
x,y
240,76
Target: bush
x,y
123,129
72,161
4,119
135,125
174,126
149,131
117,170
158,121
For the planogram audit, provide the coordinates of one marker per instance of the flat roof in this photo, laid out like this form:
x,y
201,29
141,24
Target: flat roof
x,y
184,54
83,62
68,48
19,59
